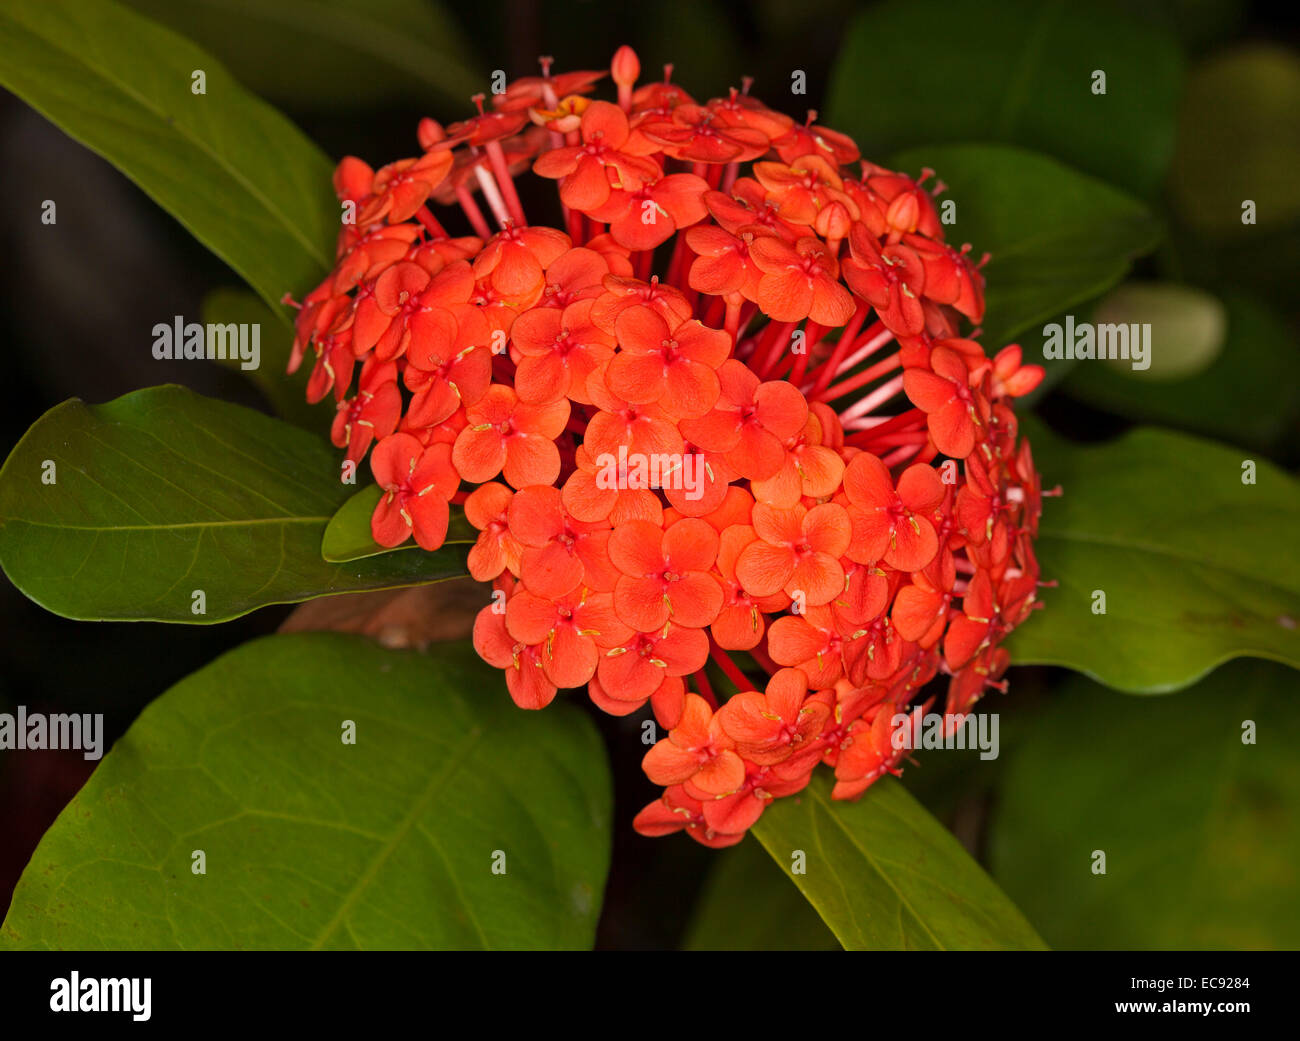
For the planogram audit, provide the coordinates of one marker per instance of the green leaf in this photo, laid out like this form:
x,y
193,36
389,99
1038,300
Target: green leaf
x,y
312,842
915,72
231,169
748,905
1247,394
1201,832
1197,567
286,394
331,55
347,536
884,874
1057,237
163,492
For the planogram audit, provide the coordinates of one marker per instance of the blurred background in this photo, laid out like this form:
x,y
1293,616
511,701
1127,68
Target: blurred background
x,y
1217,122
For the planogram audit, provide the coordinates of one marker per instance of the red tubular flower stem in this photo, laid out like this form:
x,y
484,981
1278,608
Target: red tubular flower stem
x,y
903,454
576,222
705,688
472,212
780,340
753,348
728,666
492,195
813,336
732,323
548,88
748,311
501,169
829,368
868,343
431,223
873,400
864,377
761,656
784,366
677,266
800,367
918,437
874,425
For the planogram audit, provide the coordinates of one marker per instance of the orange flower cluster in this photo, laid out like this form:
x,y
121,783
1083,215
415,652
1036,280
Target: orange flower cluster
x,y
724,425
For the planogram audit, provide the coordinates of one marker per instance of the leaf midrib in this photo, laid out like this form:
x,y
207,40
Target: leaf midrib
x,y
822,805
250,522
436,784
1015,97
825,805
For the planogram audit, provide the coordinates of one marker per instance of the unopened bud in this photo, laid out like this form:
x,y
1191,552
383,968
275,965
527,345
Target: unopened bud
x,y
626,67
429,133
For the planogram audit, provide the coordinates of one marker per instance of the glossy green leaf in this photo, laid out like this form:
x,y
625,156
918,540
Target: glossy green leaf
x,y
237,174
884,874
1247,394
163,493
1196,566
331,55
286,394
1057,237
747,904
1201,832
313,842
916,72
347,536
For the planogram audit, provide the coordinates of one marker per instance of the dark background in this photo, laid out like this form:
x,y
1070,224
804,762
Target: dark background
x,y
83,295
